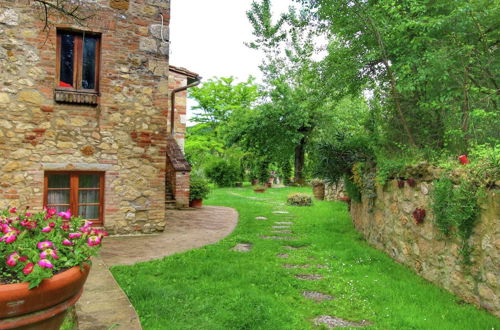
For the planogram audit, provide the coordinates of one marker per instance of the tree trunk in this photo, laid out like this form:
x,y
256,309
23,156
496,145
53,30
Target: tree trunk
x,y
300,151
392,80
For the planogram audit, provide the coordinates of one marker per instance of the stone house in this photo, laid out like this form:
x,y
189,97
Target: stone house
x,y
86,119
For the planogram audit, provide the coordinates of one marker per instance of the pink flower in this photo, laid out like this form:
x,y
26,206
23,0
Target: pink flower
x,y
47,229
28,214
28,268
93,241
45,264
10,237
65,215
12,259
23,259
87,227
75,235
49,252
51,212
45,245
67,242
65,227
13,210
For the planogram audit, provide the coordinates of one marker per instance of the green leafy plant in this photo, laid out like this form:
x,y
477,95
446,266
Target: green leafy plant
x,y
352,189
259,188
198,189
223,173
456,211
299,199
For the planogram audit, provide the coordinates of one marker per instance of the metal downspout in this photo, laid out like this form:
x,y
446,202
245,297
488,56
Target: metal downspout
x,y
172,102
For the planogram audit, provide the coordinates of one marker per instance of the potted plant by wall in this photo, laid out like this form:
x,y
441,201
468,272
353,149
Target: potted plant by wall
x,y
259,188
44,262
318,186
198,190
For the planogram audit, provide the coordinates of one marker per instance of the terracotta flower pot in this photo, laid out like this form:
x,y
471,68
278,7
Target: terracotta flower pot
x,y
196,203
319,191
255,181
43,307
259,190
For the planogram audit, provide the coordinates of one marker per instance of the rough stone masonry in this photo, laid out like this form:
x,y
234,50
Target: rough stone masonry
x,y
123,135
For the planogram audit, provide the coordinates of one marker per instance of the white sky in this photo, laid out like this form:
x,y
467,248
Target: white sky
x,y
207,37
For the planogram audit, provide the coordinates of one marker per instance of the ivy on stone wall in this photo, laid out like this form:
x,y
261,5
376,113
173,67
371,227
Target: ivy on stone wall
x,y
456,211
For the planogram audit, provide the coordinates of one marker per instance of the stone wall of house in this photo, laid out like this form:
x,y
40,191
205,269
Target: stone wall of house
x,y
387,223
124,136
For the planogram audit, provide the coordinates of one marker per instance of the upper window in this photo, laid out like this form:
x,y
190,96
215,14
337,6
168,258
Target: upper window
x,y
78,61
80,192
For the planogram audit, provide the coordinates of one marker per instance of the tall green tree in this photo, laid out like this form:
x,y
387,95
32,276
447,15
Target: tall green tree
x,y
283,125
433,66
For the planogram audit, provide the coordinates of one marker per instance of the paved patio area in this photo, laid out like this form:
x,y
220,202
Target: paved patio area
x,y
103,304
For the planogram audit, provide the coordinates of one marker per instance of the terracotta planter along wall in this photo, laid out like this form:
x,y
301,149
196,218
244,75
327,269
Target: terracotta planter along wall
x,y
43,307
387,223
319,192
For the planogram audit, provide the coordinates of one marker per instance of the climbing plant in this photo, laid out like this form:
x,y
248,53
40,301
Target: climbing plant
x,y
456,211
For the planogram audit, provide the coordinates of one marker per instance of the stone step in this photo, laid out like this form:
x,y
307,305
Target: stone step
x,y
170,204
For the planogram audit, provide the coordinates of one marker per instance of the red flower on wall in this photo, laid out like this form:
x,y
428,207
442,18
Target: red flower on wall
x,y
419,215
463,159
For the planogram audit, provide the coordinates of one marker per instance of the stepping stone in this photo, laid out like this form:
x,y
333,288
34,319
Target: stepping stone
x,y
283,256
277,237
321,266
292,266
242,247
335,322
283,223
280,212
282,232
309,277
288,247
316,296
281,227
260,218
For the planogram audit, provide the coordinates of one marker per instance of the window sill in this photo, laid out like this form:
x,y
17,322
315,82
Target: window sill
x,y
79,97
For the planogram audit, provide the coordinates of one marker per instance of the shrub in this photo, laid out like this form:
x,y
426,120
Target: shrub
x,y
299,199
198,189
223,173
259,187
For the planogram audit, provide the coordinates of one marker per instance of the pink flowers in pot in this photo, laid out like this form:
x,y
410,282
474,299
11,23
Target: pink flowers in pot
x,y
35,246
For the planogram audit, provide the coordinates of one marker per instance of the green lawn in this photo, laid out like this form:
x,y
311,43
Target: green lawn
x,y
216,288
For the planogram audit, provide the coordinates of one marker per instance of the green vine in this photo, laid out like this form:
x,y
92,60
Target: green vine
x,y
456,211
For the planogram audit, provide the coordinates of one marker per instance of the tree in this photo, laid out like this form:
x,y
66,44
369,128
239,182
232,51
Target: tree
x,y
433,67
218,98
282,126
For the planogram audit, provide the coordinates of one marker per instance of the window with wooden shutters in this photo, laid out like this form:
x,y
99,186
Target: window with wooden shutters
x,y
80,192
77,67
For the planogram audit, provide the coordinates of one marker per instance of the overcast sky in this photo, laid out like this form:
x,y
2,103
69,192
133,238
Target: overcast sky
x,y
207,37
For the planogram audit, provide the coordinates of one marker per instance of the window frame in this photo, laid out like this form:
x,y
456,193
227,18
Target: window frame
x,y
78,61
74,189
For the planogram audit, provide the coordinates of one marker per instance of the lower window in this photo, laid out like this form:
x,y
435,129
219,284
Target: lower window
x,y
80,192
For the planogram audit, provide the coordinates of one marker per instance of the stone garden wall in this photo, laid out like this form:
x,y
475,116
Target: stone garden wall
x,y
124,135
387,223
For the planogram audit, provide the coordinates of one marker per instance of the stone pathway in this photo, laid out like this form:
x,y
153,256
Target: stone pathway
x,y
103,304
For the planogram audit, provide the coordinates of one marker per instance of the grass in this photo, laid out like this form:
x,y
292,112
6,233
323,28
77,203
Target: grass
x,y
216,288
